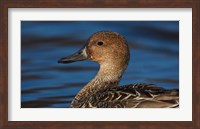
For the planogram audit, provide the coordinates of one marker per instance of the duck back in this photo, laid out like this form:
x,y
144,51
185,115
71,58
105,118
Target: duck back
x,y
132,96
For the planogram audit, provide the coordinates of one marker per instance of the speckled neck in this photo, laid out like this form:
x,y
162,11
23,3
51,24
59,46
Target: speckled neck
x,y
108,76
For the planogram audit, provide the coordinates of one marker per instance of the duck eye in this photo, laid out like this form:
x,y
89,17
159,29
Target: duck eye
x,y
100,43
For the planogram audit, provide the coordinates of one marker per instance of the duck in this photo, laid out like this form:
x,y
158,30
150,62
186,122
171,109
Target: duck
x,y
110,50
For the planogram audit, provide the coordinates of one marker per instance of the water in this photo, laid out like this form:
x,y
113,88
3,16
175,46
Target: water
x,y
154,48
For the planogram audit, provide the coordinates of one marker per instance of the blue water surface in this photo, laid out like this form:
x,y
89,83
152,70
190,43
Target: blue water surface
x,y
154,48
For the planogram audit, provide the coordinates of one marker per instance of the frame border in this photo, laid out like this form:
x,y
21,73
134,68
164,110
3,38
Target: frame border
x,y
6,4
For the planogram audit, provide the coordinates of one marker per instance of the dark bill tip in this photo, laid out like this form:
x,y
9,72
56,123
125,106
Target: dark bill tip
x,y
78,56
64,60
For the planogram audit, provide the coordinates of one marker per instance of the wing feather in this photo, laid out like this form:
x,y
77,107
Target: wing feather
x,y
134,96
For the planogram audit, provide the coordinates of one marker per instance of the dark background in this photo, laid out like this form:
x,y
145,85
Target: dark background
x,y
154,48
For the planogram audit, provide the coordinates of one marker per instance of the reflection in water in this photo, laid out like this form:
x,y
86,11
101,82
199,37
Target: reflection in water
x,y
154,48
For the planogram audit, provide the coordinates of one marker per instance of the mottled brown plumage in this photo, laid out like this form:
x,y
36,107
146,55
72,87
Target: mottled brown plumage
x,y
111,51
131,96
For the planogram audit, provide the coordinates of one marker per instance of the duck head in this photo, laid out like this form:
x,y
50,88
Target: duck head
x,y
104,47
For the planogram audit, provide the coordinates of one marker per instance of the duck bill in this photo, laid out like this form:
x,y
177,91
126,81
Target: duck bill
x,y
78,56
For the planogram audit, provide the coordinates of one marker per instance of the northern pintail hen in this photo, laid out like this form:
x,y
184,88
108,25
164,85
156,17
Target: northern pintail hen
x,y
111,51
